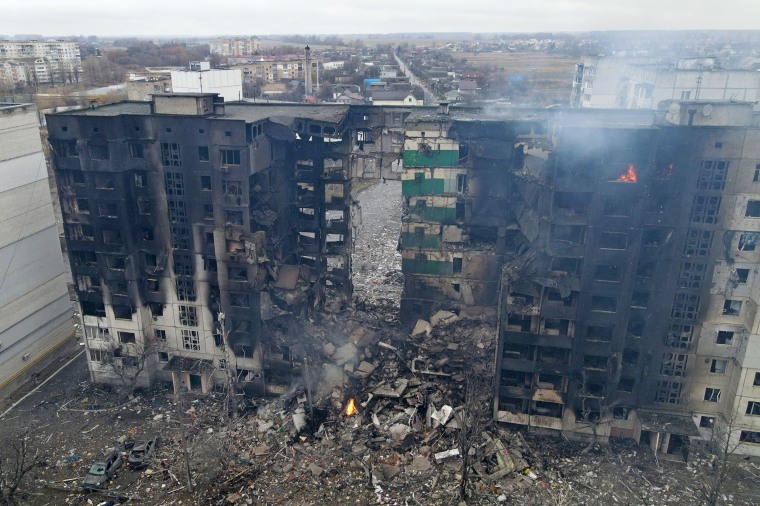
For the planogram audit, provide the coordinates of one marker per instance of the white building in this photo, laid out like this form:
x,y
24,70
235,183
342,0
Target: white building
x,y
47,62
234,46
201,78
630,83
35,310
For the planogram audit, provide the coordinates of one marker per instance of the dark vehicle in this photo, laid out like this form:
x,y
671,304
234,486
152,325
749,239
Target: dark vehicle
x,y
140,455
102,470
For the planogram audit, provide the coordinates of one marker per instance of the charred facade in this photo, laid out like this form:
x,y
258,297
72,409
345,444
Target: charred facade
x,y
189,222
614,251
604,246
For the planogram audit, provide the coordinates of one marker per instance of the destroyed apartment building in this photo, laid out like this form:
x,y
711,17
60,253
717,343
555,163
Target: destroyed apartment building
x,y
614,251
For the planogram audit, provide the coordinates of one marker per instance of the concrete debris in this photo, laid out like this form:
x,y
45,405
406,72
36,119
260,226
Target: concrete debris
x,y
442,457
443,318
422,327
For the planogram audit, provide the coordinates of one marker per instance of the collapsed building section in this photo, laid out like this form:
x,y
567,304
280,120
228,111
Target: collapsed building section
x,y
189,223
591,240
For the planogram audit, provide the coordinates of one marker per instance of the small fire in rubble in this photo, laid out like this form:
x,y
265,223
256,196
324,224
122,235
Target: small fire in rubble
x,y
629,176
350,408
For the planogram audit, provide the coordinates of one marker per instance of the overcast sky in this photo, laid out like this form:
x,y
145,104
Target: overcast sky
x,y
216,17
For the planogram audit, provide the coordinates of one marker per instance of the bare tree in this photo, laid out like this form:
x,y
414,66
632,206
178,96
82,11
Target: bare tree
x,y
17,458
127,361
595,407
714,477
471,419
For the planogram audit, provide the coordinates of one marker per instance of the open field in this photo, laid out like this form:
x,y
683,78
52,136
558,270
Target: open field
x,y
547,74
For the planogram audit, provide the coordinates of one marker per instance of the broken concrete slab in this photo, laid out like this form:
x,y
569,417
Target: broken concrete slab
x,y
443,318
287,277
422,327
419,464
446,456
315,469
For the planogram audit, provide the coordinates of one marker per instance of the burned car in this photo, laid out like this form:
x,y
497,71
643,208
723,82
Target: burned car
x,y
103,470
140,455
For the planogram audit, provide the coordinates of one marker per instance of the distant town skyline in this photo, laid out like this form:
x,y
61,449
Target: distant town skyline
x,y
266,17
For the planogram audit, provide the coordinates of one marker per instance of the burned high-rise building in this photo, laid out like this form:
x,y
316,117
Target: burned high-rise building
x,y
615,251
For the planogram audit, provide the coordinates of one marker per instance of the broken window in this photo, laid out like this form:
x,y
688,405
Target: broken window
x,y
185,289
163,356
237,273
753,209
608,273
698,243
653,238
180,237
135,150
461,183
556,327
756,382
568,234
105,181
239,299
621,412
748,436
613,240
177,211
712,394
712,175
159,334
205,182
65,148
459,210
685,306
705,209
175,184
190,340
692,275
170,154
599,333
108,210
618,208
603,304
183,264
519,323
122,312
548,355
97,309
99,151
679,336
144,207
724,337
208,212
517,351
233,217
127,337
706,422
673,364
630,357
80,232
156,309
112,237
188,316
152,284
456,264
97,355
626,384
742,275
572,202
718,366
732,307
639,299
567,265
595,362
230,156
141,179
84,258
203,154
668,392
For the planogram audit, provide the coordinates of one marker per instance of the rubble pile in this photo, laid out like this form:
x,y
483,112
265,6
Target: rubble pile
x,y
377,277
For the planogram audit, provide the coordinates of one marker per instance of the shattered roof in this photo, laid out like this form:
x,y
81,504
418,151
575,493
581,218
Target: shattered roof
x,y
668,422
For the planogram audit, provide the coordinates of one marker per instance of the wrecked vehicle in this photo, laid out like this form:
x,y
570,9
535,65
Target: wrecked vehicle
x,y
103,470
140,455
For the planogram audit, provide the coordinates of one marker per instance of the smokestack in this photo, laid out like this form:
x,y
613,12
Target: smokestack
x,y
307,72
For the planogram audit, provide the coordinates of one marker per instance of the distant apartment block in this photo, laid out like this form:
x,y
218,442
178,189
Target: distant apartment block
x,y
35,310
34,62
272,69
235,46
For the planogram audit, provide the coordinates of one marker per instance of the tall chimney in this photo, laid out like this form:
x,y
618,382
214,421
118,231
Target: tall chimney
x,y
307,72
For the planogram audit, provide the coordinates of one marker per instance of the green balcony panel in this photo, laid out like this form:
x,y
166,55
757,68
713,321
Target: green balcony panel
x,y
410,240
433,267
435,158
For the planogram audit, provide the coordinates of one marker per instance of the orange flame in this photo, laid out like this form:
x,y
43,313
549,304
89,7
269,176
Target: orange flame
x,y
350,408
629,176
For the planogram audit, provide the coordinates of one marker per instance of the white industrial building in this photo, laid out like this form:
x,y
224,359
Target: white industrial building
x,y
35,309
201,78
